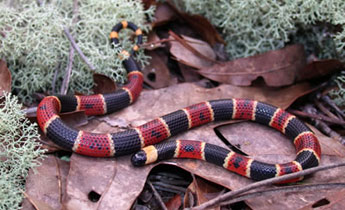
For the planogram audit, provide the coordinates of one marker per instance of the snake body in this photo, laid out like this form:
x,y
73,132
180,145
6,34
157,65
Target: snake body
x,y
132,140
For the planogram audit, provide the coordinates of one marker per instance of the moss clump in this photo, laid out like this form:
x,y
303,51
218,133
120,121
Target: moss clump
x,y
252,26
35,46
19,151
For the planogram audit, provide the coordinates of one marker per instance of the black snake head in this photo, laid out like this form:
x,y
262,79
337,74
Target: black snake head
x,y
139,158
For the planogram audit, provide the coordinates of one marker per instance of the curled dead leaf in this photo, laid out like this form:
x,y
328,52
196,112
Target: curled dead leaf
x,y
277,67
184,54
167,12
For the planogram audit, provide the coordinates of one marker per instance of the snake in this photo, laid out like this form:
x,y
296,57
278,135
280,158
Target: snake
x,y
145,142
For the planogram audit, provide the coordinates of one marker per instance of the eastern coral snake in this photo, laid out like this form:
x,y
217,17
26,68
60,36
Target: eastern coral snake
x,y
146,136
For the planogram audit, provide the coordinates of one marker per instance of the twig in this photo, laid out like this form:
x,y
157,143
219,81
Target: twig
x,y
67,77
317,117
329,101
157,196
55,77
31,111
325,110
323,126
161,184
153,44
270,181
76,47
285,189
30,200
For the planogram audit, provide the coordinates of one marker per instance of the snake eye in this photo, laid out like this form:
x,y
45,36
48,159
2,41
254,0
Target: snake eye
x,y
139,158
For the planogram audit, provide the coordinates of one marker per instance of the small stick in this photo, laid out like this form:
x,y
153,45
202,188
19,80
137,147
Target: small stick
x,y
325,110
161,184
323,126
76,47
30,200
262,183
317,117
55,77
65,82
31,111
331,103
157,196
285,189
152,44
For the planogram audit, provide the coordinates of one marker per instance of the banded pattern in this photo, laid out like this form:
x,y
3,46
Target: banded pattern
x,y
155,131
99,145
306,144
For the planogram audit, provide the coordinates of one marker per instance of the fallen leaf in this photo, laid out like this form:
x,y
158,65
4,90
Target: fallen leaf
x,y
157,74
332,200
115,180
187,57
276,67
174,203
167,12
163,14
42,184
189,74
203,191
5,78
319,68
103,84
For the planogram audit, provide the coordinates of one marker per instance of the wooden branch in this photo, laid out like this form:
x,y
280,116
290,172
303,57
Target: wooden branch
x,y
232,194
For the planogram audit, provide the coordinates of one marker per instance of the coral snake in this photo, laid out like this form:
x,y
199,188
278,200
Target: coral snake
x,y
146,136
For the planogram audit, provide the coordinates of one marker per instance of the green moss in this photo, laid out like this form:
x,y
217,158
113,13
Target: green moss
x,y
252,27
19,151
35,46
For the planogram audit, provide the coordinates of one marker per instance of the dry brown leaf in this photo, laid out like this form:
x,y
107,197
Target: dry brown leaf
x,y
163,14
167,12
203,191
157,74
187,57
189,74
332,200
319,68
116,180
42,184
5,78
276,67
103,84
174,203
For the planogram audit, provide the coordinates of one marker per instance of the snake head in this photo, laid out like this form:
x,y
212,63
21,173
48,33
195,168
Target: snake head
x,y
139,158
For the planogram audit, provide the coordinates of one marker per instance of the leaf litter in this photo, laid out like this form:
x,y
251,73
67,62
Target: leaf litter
x,y
112,183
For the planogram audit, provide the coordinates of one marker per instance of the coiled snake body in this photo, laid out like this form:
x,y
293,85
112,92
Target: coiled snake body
x,y
149,134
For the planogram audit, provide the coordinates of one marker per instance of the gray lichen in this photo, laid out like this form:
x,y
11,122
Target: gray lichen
x,y
19,151
252,27
35,46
